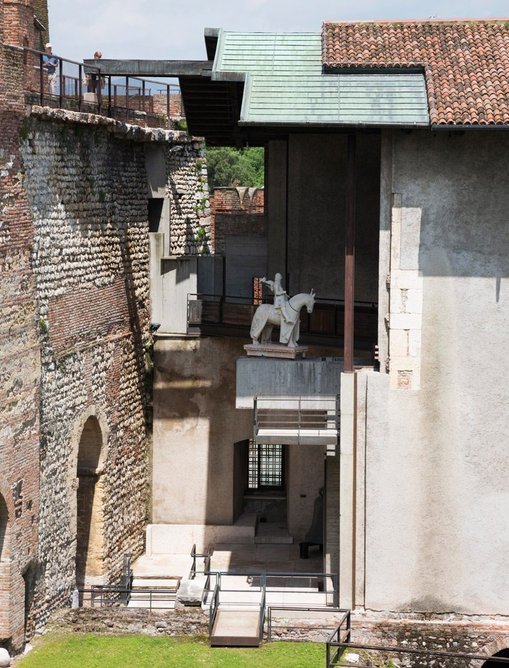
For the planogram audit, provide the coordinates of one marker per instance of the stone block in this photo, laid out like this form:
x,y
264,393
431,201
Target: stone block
x,y
191,592
405,321
406,278
5,658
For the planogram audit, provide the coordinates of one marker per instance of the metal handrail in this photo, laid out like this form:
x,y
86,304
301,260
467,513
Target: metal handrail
x,y
340,645
106,596
77,93
262,609
327,610
297,413
206,561
265,577
250,300
213,607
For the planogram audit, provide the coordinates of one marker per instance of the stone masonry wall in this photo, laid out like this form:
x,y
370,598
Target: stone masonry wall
x,y
19,362
73,326
189,198
87,193
87,187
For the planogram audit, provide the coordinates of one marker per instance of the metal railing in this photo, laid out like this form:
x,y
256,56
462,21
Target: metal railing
x,y
272,627
81,87
263,585
231,311
214,605
340,641
311,415
290,583
109,596
206,562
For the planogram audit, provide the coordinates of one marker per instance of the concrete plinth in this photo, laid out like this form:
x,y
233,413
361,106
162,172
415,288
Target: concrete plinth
x,y
275,350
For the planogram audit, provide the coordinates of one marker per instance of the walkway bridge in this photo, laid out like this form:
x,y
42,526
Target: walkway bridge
x,y
239,602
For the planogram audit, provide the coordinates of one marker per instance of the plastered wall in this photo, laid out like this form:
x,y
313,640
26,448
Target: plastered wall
x,y
436,455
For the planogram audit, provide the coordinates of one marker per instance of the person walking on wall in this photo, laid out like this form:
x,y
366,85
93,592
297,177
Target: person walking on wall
x,y
50,65
94,81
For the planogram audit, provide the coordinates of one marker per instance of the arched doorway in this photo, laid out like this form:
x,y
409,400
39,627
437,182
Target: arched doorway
x,y
90,522
504,653
4,569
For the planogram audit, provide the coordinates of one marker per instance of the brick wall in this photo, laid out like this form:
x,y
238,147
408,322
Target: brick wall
x,y
19,25
19,355
236,211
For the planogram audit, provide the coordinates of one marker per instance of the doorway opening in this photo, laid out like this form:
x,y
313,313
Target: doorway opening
x,y
4,569
90,520
266,483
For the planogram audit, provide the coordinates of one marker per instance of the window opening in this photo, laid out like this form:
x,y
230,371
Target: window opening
x,y
266,466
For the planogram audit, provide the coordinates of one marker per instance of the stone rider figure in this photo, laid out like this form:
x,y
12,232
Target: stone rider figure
x,y
280,297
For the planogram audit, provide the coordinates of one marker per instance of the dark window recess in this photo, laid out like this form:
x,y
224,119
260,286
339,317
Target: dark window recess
x,y
266,466
155,211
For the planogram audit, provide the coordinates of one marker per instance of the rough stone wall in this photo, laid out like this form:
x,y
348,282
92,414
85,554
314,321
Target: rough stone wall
x,y
19,360
87,194
189,198
449,636
160,103
179,622
87,186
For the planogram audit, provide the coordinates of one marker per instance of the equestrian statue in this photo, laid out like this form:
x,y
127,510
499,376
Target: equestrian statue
x,y
283,313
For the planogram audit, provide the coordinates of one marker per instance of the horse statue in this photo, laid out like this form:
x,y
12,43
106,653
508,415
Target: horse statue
x,y
269,315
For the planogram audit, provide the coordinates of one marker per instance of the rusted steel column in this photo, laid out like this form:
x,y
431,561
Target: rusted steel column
x,y
350,254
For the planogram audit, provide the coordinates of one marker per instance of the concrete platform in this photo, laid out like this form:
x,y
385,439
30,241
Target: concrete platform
x,y
177,538
236,628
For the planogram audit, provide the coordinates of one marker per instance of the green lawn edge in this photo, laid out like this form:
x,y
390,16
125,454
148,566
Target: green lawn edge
x,y
86,650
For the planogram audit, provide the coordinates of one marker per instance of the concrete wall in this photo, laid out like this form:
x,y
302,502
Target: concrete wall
x,y
436,523
305,477
195,428
314,211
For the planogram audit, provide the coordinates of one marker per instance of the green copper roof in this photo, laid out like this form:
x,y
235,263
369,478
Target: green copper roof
x,y
284,84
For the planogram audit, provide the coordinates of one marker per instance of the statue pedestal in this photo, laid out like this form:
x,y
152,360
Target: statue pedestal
x,y
275,350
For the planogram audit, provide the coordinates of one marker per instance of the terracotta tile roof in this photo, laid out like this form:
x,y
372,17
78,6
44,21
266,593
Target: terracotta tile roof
x,y
466,62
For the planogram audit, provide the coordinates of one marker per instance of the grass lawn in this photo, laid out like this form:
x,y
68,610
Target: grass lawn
x,y
75,650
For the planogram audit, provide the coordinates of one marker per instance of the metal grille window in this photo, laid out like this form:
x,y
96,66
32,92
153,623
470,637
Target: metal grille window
x,y
265,465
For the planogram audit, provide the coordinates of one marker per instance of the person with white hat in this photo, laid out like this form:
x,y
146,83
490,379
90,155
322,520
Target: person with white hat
x,y
50,64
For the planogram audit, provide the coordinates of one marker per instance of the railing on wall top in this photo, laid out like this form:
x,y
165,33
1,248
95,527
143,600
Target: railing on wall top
x,y
81,87
326,321
341,641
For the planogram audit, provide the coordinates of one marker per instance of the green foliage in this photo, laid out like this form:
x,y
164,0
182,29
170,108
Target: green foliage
x,y
76,650
201,234
235,167
180,125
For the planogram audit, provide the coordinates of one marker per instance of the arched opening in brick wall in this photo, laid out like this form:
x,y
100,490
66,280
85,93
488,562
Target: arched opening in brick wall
x,y
90,521
5,579
504,653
